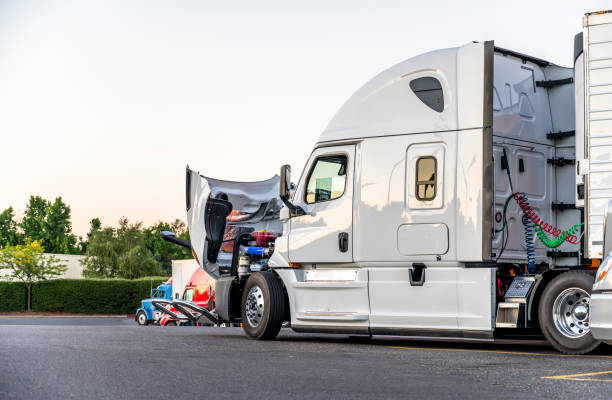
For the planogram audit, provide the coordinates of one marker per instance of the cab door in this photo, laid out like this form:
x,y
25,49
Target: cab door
x,y
325,192
329,293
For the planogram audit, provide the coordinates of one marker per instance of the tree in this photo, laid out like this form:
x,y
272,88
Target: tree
x,y
9,236
163,251
33,221
49,224
102,255
95,225
120,253
28,264
57,229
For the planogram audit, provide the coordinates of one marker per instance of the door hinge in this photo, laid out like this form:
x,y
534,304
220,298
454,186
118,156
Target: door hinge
x,y
554,82
561,206
343,241
560,135
560,162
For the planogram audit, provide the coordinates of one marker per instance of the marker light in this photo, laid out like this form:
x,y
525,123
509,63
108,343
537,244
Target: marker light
x,y
604,268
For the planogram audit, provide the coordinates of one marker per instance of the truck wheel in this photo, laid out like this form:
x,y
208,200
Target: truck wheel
x,y
263,306
171,323
564,313
141,318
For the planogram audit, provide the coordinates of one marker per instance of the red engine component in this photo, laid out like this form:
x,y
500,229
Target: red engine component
x,y
262,238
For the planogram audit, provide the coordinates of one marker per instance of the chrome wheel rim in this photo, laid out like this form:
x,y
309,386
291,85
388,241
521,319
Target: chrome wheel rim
x,y
142,318
254,306
571,311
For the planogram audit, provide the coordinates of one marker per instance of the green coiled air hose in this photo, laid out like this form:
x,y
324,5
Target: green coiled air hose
x,y
559,240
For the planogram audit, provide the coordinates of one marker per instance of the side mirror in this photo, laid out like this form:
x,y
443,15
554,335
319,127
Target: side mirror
x,y
285,191
285,182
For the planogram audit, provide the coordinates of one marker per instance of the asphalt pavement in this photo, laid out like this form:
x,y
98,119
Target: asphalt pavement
x,y
113,358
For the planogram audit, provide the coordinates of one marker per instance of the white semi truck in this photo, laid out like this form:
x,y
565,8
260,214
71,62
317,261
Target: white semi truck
x,y
461,193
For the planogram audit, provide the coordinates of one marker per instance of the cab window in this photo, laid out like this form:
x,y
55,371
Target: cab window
x,y
327,179
426,170
188,296
429,91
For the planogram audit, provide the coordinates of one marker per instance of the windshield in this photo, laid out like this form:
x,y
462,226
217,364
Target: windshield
x,y
188,296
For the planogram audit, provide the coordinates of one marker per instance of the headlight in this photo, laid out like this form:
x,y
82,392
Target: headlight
x,y
603,269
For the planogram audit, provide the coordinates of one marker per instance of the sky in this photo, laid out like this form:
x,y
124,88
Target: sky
x,y
104,103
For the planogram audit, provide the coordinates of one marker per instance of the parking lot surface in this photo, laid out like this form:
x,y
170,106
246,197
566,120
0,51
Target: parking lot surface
x,y
110,358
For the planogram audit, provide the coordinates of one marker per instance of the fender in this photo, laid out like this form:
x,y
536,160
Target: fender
x,y
541,282
228,298
147,313
286,296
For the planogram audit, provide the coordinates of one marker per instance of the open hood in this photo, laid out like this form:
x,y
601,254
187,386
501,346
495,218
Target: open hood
x,y
212,204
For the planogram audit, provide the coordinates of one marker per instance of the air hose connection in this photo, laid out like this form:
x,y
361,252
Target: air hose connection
x,y
540,226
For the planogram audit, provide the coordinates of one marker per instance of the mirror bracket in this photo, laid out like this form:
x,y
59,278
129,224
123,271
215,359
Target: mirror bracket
x,y
294,211
285,189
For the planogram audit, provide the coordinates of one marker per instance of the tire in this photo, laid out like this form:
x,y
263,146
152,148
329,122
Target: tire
x,y
564,313
141,318
171,323
262,291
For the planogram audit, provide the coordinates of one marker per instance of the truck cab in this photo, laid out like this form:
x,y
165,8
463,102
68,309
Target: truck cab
x,y
438,202
148,313
200,290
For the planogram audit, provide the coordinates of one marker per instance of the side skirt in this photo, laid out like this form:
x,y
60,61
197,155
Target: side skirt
x,y
339,330
434,333
415,333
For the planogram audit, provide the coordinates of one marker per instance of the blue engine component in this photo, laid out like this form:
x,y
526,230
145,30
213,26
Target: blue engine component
x,y
256,251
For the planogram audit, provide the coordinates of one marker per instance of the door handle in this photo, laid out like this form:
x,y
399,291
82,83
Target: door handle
x,y
343,241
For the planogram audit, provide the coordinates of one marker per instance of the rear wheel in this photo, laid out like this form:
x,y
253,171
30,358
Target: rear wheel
x,y
564,313
263,306
141,318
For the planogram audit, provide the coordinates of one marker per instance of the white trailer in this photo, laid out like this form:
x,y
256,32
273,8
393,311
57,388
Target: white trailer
x,y
421,208
594,159
182,270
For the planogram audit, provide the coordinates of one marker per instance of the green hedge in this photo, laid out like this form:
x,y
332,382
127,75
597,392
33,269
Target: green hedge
x,y
13,296
91,296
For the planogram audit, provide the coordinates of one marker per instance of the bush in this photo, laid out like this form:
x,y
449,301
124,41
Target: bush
x,y
13,296
91,296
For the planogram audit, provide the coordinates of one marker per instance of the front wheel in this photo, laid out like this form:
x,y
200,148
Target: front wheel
x,y
141,318
564,313
263,306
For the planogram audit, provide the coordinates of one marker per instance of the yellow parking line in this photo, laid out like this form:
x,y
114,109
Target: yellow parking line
x,y
581,377
574,377
588,379
519,353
